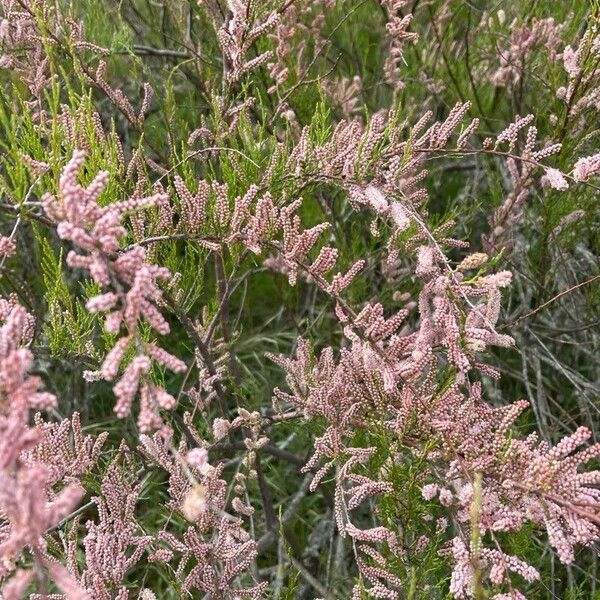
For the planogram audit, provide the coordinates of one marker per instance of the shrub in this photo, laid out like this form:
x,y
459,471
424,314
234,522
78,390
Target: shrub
x,y
253,264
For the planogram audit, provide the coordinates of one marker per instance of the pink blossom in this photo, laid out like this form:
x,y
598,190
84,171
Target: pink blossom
x,y
556,179
586,167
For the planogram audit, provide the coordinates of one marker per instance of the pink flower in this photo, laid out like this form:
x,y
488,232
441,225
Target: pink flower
x,y
586,167
197,458
429,491
220,428
556,179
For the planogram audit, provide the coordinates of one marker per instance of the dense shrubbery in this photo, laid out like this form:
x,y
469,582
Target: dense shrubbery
x,y
299,299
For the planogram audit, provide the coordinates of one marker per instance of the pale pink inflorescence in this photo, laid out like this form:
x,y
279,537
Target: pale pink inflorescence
x,y
33,460
556,179
586,167
18,388
135,293
7,246
525,480
217,546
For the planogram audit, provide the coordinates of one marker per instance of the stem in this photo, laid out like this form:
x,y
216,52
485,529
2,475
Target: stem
x,y
223,312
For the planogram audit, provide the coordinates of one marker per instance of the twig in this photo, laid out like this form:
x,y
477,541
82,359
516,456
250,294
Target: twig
x,y
265,542
553,299
189,327
267,498
313,61
160,52
310,579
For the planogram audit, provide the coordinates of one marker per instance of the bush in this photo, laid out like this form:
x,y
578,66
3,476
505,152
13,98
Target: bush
x,y
275,277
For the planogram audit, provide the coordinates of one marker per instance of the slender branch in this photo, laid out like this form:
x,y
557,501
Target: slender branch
x,y
190,328
553,299
270,449
458,151
268,539
265,494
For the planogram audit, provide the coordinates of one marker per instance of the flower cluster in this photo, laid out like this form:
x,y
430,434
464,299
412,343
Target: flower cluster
x,y
215,543
134,293
19,390
33,461
237,35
